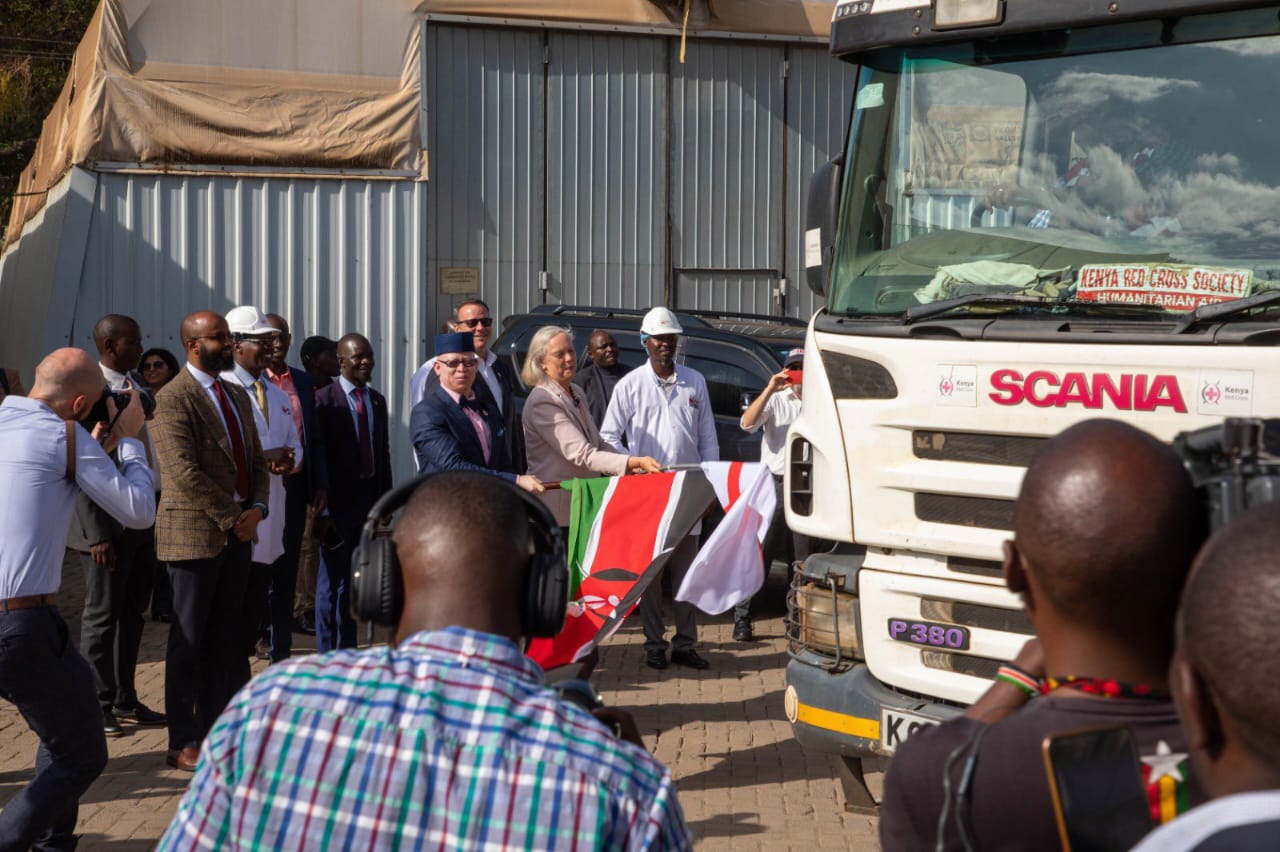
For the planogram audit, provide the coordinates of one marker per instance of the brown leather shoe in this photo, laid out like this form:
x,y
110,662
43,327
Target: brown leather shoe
x,y
183,758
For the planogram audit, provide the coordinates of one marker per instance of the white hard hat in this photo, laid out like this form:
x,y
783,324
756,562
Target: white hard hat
x,y
660,321
246,319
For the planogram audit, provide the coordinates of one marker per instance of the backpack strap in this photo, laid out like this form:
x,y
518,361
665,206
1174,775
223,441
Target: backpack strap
x,y
71,450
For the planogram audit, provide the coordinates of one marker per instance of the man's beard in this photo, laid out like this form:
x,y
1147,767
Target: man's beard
x,y
216,362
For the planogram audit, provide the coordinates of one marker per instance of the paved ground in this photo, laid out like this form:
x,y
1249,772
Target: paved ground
x,y
743,781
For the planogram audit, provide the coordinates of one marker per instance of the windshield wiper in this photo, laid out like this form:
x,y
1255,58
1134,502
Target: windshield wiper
x,y
1217,310
934,309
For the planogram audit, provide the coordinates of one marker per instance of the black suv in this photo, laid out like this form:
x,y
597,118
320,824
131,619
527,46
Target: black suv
x,y
736,353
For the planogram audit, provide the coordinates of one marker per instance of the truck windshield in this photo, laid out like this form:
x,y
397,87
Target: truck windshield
x,y
1073,168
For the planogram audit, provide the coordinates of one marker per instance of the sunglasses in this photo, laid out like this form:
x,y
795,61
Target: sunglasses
x,y
154,365
455,363
472,323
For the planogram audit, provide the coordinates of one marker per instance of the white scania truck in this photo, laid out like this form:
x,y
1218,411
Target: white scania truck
x,y
1046,211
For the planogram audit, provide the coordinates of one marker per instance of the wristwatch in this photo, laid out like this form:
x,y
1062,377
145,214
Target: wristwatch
x,y
261,507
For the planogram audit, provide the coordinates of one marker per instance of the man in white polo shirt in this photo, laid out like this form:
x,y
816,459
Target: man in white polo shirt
x,y
663,410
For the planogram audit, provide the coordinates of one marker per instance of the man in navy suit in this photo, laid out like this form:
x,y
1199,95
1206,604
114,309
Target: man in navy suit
x,y
453,427
351,418
308,487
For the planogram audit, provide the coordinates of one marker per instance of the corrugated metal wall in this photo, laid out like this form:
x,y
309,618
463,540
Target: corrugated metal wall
x,y
631,179
727,114
332,256
485,135
606,169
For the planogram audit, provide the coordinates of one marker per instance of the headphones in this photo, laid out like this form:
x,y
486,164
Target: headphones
x,y
377,583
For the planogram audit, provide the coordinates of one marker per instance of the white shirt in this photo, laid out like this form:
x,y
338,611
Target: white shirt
x,y
37,501
670,420
418,384
118,382
780,411
275,430
1200,823
206,381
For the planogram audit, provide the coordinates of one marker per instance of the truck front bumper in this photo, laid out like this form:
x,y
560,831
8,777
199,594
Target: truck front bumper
x,y
841,712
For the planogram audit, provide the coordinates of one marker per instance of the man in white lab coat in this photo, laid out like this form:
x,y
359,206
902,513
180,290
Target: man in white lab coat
x,y
273,418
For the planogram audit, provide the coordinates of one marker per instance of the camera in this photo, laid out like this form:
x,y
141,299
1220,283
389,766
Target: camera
x,y
98,414
1234,465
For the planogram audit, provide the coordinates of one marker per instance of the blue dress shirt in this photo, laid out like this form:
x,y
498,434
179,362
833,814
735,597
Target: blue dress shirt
x,y
349,389
37,500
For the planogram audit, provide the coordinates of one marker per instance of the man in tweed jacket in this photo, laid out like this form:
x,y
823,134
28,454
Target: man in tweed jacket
x,y
215,495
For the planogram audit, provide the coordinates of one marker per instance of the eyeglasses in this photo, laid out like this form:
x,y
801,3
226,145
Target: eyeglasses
x,y
221,337
475,321
455,363
154,365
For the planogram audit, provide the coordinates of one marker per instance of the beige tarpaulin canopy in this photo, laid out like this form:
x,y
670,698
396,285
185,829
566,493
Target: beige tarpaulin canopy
x,y
295,84
803,18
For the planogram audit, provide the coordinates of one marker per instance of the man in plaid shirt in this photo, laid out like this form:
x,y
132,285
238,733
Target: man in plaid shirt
x,y
447,740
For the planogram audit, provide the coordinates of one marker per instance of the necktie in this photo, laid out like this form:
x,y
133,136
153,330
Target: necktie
x,y
237,440
262,400
363,437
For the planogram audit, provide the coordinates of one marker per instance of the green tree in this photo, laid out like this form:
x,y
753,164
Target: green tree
x,y
37,39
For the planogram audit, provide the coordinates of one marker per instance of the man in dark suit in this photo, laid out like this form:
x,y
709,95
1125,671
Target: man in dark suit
x,y
117,561
351,418
495,378
216,486
455,427
305,488
598,378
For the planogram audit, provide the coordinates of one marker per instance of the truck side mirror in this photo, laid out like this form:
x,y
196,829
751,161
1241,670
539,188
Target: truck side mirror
x,y
820,219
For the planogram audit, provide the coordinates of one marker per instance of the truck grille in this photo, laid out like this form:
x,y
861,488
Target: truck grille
x,y
976,615
984,512
975,447
975,567
960,663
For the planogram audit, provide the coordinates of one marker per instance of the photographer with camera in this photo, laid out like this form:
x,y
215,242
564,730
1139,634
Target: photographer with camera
x,y
1105,527
118,562
46,459
451,732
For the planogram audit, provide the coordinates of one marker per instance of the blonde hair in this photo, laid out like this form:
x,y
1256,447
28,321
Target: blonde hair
x,y
532,373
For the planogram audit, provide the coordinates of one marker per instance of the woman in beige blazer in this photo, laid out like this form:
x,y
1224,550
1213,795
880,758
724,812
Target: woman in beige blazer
x,y
561,439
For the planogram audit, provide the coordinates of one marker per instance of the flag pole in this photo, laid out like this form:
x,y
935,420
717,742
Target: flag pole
x,y
559,483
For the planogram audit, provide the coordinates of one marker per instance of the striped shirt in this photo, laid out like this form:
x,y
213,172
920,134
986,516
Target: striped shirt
x,y
448,741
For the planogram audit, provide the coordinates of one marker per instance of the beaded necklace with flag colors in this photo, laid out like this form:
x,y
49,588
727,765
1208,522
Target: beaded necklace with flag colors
x,y
1103,687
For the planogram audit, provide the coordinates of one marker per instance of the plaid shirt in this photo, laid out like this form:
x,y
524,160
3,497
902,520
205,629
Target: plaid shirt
x,y
449,741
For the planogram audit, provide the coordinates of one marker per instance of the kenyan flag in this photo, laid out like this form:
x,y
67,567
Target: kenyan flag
x,y
621,533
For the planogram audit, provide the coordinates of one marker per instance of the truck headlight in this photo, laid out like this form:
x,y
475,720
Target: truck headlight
x,y
822,617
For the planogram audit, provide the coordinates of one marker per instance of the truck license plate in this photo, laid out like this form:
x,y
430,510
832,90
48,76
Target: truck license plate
x,y
929,635
897,726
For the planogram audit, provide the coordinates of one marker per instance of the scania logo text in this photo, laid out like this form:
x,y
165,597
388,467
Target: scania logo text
x,y
1123,392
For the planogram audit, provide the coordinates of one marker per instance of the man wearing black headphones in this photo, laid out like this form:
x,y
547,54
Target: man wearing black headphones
x,y
450,735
